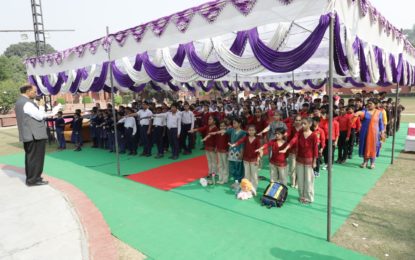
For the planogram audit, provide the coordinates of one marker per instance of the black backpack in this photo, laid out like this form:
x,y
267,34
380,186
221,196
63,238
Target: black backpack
x,y
275,195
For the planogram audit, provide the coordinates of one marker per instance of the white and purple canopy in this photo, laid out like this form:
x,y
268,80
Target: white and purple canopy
x,y
244,44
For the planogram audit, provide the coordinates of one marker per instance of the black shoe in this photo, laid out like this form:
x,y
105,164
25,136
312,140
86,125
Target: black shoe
x,y
37,183
171,157
158,156
349,156
175,157
142,154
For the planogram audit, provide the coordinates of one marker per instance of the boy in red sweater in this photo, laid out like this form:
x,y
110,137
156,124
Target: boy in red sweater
x,y
354,129
344,128
321,140
324,124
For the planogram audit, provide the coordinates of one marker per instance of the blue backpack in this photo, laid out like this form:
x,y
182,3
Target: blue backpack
x,y
275,195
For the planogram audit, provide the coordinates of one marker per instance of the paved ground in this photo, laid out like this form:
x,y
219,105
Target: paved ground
x,y
37,222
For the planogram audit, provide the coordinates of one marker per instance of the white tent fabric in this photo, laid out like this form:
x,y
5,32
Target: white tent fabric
x,y
281,26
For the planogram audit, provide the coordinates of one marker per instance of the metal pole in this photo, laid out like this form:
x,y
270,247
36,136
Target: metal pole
x,y
117,152
330,141
394,122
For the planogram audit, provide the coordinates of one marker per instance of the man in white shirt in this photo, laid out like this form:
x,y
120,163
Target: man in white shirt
x,y
188,121
159,123
144,117
130,127
32,132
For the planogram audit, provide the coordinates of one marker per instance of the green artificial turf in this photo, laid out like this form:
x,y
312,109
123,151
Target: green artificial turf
x,y
191,222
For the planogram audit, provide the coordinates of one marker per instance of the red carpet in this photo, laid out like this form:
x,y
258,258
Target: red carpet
x,y
173,175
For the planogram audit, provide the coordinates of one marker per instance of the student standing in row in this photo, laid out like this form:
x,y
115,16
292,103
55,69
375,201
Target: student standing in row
x,y
344,135
188,122
307,153
159,124
144,117
130,129
77,130
60,127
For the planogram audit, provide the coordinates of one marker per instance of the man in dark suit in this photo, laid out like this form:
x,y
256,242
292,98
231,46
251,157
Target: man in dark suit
x,y
32,132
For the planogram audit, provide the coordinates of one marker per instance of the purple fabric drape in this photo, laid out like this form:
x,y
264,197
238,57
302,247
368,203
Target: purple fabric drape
x,y
315,86
291,84
354,82
226,84
364,72
53,90
108,89
173,87
379,59
399,71
392,63
336,85
275,86
33,82
99,82
207,70
340,60
218,87
189,87
123,79
238,86
81,74
209,86
252,87
159,74
155,86
138,64
288,61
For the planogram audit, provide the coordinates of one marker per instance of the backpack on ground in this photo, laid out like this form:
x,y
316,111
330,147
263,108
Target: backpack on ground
x,y
275,195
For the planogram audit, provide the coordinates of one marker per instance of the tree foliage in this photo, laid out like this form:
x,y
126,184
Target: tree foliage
x,y
9,92
25,50
410,34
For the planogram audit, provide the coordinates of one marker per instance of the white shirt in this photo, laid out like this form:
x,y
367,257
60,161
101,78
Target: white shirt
x,y
188,118
129,122
159,121
143,114
30,109
174,121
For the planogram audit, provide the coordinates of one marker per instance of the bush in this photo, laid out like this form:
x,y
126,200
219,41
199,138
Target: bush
x,y
9,92
86,100
118,100
61,100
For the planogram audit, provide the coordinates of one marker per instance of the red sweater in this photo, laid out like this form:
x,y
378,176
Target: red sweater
x,y
259,124
344,124
222,143
210,143
277,158
307,148
321,137
250,147
324,124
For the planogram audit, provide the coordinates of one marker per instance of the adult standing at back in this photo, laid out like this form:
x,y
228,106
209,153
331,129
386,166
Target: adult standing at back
x,y
32,132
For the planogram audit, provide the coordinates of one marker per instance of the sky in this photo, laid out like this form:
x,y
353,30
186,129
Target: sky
x,y
89,18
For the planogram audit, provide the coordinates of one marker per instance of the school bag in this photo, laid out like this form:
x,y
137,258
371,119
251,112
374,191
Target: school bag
x,y
275,195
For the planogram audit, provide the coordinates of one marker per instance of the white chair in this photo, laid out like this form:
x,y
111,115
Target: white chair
x,y
410,138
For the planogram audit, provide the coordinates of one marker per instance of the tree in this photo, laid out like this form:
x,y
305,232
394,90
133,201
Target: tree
x,y
410,34
25,50
9,91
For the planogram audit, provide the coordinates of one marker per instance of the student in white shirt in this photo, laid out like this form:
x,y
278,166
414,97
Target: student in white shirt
x,y
130,130
144,117
188,121
173,129
159,124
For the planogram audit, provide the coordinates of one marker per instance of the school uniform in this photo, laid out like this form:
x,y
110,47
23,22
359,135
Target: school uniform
x,y
250,159
236,169
98,131
109,131
60,126
222,145
188,122
173,130
324,124
159,124
144,117
344,135
77,132
354,129
210,147
130,129
277,162
321,140
307,151
121,137
92,130
292,162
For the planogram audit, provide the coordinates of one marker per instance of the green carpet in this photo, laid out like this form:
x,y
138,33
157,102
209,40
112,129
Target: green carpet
x,y
192,222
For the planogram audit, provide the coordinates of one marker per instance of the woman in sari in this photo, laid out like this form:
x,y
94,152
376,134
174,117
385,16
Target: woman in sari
x,y
370,133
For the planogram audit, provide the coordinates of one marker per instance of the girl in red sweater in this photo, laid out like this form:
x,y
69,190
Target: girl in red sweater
x,y
250,155
210,143
277,160
222,142
306,144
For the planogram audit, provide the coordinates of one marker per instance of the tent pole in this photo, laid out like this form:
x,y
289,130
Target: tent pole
x,y
117,152
330,141
395,121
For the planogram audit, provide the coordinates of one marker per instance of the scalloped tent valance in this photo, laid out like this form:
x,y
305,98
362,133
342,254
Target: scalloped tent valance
x,y
252,41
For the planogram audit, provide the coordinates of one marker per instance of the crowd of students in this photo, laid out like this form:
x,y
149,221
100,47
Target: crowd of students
x,y
292,129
